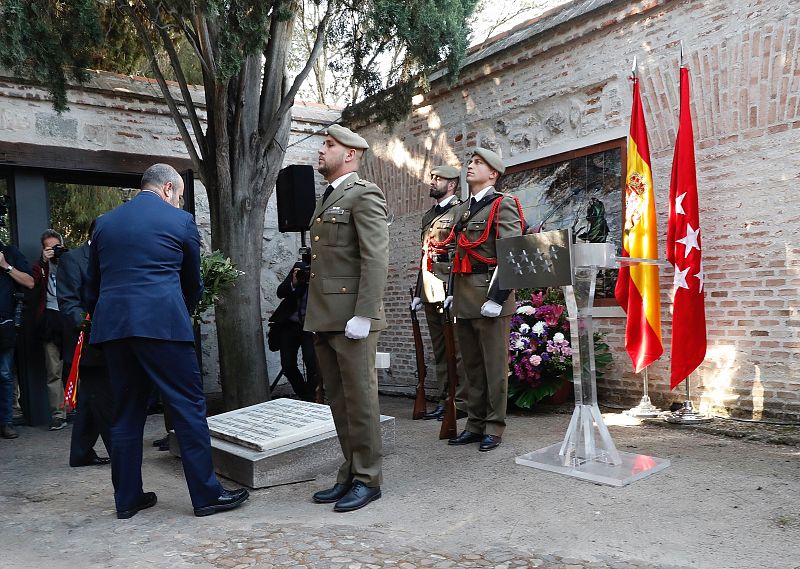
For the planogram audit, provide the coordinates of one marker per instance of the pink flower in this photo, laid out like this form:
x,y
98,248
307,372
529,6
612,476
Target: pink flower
x,y
537,299
536,360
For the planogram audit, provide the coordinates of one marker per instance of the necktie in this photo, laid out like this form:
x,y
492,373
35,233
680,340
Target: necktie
x,y
438,209
473,205
328,191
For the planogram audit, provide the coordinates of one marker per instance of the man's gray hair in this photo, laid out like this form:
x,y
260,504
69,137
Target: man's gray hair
x,y
51,233
159,174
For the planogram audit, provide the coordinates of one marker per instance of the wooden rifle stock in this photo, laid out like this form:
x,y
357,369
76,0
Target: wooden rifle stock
x,y
420,406
449,428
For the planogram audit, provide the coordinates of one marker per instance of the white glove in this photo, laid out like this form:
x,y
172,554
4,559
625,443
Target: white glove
x,y
491,309
448,302
416,303
357,328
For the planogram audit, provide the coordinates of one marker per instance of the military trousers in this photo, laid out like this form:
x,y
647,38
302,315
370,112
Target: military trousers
x,y
484,349
351,385
436,330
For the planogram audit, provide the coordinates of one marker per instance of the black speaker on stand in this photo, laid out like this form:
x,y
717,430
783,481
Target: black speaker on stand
x,y
296,199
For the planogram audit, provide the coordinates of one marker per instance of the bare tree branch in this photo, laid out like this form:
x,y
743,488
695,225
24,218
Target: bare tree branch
x,y
188,102
162,83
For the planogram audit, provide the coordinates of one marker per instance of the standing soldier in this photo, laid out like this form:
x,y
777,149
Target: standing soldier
x,y
483,311
438,245
349,267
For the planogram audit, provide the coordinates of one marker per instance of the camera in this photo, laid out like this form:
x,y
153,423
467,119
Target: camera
x,y
304,271
59,250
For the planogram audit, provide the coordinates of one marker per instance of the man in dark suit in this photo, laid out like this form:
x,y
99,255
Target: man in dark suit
x,y
144,281
287,323
94,413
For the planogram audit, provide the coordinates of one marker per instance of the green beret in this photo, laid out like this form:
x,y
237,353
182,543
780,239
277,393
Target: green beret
x,y
491,158
445,171
347,137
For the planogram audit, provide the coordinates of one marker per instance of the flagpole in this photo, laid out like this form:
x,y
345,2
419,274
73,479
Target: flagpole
x,y
687,415
645,408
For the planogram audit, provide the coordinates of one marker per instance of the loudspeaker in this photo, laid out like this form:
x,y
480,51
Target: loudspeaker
x,y
296,199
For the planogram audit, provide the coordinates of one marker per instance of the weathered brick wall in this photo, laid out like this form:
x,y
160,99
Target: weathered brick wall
x,y
127,115
561,83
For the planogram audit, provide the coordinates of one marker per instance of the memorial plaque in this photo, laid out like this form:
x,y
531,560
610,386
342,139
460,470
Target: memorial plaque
x,y
272,424
538,260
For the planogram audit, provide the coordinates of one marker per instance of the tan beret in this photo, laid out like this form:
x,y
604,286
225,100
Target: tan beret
x,y
491,158
445,171
347,137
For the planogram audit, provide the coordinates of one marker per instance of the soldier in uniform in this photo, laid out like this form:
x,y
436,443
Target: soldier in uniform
x,y
483,311
349,268
438,245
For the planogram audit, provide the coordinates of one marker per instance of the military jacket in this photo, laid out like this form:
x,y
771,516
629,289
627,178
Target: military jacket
x,y
472,289
436,228
349,257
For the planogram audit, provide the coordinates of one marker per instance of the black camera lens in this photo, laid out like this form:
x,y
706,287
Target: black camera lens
x,y
59,250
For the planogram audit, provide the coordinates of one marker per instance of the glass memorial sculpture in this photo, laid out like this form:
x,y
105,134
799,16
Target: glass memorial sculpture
x,y
587,451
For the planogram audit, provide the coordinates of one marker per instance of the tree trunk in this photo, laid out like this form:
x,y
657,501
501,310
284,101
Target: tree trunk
x,y
237,231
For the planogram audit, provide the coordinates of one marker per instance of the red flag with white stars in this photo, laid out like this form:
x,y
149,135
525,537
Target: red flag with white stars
x,y
684,251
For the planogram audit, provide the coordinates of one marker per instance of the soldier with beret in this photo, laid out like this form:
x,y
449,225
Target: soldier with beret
x,y
483,311
438,246
349,268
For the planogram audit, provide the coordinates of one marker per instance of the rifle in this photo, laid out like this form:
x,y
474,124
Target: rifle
x,y
420,407
449,429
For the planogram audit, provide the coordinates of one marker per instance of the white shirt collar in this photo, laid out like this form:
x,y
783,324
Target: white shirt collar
x,y
338,181
479,196
446,200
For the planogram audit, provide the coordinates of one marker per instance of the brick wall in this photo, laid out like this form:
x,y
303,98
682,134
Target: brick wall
x,y
561,83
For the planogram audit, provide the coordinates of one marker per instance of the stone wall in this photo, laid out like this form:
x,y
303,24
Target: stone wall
x,y
128,116
560,83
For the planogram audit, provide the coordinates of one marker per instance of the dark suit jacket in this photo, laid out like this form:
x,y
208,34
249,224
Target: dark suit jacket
x,y
291,298
144,272
73,267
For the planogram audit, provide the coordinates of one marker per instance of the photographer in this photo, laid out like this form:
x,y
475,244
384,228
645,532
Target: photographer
x,y
49,323
14,273
286,330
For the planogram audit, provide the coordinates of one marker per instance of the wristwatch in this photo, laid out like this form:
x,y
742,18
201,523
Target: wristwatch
x,y
8,269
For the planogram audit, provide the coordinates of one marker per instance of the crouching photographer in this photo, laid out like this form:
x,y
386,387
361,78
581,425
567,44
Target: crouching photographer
x,y
286,333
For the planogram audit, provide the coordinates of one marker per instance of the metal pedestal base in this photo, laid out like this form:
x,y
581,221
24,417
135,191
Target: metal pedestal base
x,y
632,468
644,409
687,416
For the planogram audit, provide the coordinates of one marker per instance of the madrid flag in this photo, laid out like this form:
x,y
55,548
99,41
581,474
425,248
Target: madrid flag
x,y
637,285
684,251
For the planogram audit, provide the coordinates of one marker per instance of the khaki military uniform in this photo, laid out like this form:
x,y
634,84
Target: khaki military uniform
x,y
436,227
484,341
349,267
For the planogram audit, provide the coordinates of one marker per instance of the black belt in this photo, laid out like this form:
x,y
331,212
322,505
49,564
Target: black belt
x,y
443,258
480,268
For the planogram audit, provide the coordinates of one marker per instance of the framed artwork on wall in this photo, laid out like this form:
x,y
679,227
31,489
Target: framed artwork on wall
x,y
581,190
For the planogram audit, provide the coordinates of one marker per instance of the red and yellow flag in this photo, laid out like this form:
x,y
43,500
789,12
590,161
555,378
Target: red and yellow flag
x,y
637,285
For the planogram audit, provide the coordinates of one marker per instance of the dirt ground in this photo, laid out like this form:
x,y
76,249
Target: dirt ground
x,y
724,503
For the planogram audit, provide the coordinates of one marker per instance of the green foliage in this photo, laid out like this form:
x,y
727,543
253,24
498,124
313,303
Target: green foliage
x,y
73,207
40,39
219,273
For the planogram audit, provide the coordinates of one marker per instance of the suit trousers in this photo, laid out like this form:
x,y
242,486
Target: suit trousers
x,y
93,416
292,338
484,348
351,384
436,330
135,364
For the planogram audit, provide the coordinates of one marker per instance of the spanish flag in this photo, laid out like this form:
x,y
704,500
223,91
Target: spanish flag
x,y
637,285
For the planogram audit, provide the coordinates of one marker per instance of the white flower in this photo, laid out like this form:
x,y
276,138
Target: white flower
x,y
558,337
528,310
524,328
519,345
538,328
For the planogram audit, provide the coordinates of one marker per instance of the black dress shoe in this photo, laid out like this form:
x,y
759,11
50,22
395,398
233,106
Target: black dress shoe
x,y
147,500
162,444
359,496
332,495
490,442
437,413
459,415
228,500
94,461
465,438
